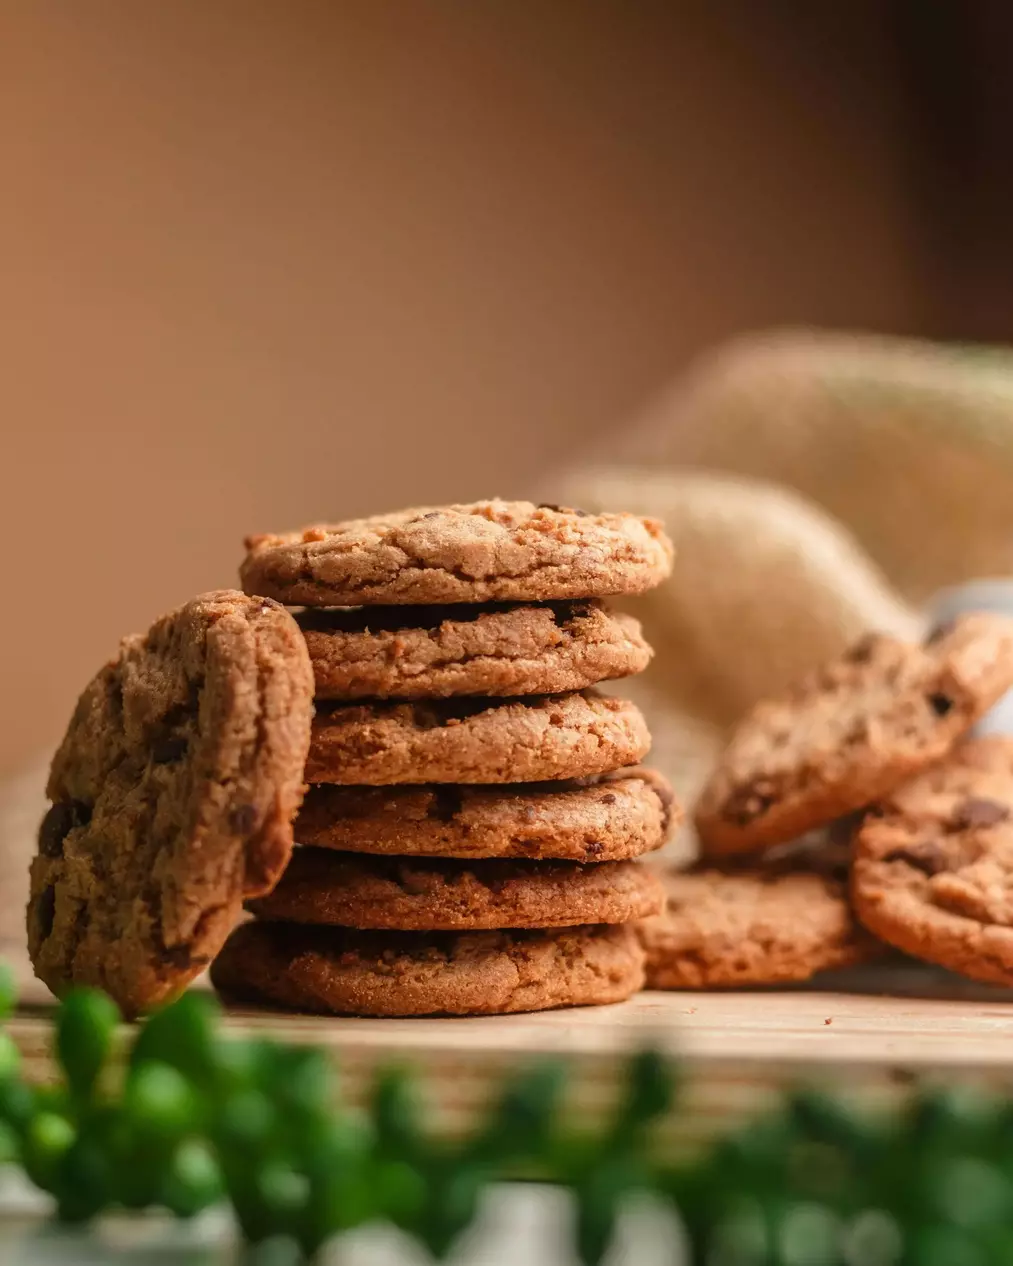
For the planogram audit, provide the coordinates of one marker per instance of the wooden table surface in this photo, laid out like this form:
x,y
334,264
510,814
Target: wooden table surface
x,y
872,1031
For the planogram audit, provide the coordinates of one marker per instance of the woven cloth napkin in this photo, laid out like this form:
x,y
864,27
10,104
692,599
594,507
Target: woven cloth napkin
x,y
816,485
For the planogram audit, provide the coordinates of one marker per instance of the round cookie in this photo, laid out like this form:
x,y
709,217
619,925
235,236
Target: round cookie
x,y
173,793
412,973
497,650
489,551
763,926
933,867
531,739
442,895
615,816
852,731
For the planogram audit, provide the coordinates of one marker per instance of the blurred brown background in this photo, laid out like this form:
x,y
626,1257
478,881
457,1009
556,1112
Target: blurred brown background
x,y
269,262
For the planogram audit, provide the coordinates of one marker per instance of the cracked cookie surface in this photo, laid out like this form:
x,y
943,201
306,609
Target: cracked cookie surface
x,y
497,650
851,731
757,926
530,739
608,818
414,973
172,798
933,868
486,551
354,890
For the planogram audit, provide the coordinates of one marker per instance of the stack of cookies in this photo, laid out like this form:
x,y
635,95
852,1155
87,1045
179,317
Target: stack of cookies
x,y
468,841
853,812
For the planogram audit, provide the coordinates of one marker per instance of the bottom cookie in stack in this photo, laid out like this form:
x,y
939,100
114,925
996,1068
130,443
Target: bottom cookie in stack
x,y
515,924
405,974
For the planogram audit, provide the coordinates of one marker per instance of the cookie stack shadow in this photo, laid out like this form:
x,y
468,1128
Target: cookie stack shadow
x,y
470,836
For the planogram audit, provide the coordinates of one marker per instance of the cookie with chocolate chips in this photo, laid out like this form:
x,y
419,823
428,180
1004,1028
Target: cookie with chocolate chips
x,y
439,894
478,740
850,732
760,925
173,794
488,551
609,818
933,866
338,970
493,649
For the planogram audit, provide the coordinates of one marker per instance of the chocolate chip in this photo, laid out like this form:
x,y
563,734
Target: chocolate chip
x,y
940,631
928,857
977,811
61,819
243,818
747,804
862,650
45,912
940,704
182,957
594,847
581,514
167,750
608,798
447,803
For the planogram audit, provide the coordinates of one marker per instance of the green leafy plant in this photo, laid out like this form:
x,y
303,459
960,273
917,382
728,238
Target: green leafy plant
x,y
193,1119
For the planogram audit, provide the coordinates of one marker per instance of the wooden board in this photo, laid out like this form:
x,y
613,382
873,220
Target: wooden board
x,y
871,1036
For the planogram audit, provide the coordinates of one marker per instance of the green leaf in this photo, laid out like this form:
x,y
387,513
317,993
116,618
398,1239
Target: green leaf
x,y
305,1080
84,1185
8,991
193,1181
599,1196
396,1114
650,1090
85,1023
48,1138
10,1058
160,1103
181,1035
521,1123
246,1124
18,1103
10,1147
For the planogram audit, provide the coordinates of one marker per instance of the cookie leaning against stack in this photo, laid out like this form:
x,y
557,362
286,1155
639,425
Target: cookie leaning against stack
x,y
856,733
172,794
468,842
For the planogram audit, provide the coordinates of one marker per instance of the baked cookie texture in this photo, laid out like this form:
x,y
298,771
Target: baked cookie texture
x,y
851,732
933,868
756,926
440,894
529,739
404,974
488,551
608,818
477,649
173,794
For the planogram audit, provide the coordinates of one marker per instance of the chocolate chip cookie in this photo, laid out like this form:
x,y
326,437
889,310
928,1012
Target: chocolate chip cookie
x,y
485,649
609,818
852,731
530,739
933,868
444,895
761,926
415,973
485,552
172,798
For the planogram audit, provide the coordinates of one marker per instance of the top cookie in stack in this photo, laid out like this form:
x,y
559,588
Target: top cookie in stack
x,y
476,803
